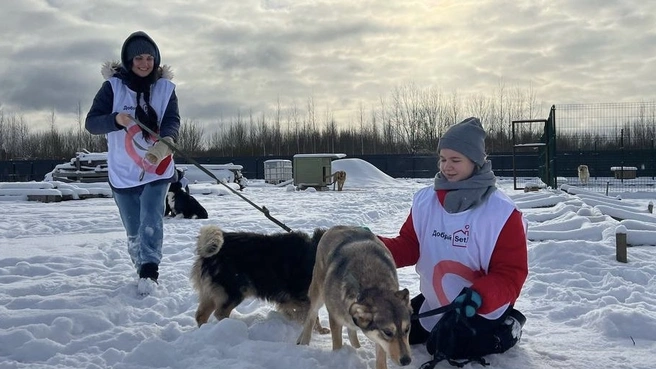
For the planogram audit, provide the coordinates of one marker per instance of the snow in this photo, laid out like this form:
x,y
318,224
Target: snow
x,y
69,300
321,155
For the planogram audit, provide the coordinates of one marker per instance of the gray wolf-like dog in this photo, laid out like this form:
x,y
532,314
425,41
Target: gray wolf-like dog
x,y
355,277
584,174
231,266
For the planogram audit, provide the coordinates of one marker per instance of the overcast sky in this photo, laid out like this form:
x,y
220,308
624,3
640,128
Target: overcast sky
x,y
244,55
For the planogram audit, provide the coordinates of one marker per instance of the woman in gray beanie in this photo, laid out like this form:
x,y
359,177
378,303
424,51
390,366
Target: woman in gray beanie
x,y
468,244
140,166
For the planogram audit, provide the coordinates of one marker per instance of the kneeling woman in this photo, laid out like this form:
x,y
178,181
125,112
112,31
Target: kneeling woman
x,y
468,242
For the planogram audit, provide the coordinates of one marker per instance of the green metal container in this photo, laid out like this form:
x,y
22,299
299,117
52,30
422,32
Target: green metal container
x,y
313,170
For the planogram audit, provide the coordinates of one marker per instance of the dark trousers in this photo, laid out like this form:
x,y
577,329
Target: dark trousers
x,y
419,335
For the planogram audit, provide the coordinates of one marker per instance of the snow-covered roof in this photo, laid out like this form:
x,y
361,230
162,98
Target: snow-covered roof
x,y
326,155
622,168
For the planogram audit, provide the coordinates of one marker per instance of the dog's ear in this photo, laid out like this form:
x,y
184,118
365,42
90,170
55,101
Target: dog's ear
x,y
403,295
362,315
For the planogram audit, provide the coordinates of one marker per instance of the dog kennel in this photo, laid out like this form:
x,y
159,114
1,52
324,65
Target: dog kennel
x,y
624,172
277,171
313,170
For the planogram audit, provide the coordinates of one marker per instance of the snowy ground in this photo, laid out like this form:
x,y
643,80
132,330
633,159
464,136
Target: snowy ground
x,y
68,297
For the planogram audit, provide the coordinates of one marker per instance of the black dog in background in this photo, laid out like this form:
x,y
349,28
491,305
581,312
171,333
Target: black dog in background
x,y
180,203
184,183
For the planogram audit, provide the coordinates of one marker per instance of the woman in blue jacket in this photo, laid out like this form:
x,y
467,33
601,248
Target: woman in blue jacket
x,y
140,166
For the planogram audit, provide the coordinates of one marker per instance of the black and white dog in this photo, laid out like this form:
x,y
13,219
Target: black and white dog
x,y
180,204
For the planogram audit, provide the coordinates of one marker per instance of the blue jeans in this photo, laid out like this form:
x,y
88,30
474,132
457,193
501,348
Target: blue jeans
x,y
142,212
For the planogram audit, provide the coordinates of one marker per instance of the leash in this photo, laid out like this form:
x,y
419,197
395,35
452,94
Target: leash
x,y
439,310
262,209
445,309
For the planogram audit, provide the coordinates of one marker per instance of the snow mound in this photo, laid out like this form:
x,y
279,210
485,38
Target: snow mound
x,y
360,173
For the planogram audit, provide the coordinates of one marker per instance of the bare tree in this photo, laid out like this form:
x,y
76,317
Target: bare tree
x,y
405,114
18,134
311,125
294,121
4,154
361,121
190,137
264,136
277,135
254,138
79,119
331,131
374,132
454,108
433,121
389,136
409,119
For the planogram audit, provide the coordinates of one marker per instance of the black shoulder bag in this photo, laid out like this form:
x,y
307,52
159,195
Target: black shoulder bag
x,y
461,340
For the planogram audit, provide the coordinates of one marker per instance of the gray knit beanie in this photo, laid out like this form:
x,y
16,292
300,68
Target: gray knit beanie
x,y
136,44
467,138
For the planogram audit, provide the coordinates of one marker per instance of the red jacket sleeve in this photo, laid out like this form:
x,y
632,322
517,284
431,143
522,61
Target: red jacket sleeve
x,y
405,246
508,267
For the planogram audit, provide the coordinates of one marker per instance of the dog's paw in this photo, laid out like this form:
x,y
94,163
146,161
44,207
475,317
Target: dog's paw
x,y
304,339
319,328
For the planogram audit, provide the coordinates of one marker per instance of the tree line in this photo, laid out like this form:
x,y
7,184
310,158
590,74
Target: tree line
x,y
409,120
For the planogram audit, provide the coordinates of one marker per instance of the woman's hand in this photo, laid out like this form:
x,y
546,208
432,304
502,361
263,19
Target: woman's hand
x,y
123,119
159,150
468,302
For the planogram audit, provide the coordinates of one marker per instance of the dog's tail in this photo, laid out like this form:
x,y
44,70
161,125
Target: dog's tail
x,y
209,241
316,236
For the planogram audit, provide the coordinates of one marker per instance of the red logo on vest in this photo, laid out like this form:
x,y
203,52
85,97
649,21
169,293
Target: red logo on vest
x,y
133,147
452,269
460,237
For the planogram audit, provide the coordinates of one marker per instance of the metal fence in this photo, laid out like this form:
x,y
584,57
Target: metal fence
x,y
614,141
397,166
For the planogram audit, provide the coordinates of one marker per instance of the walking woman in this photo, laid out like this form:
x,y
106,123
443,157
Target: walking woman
x,y
140,166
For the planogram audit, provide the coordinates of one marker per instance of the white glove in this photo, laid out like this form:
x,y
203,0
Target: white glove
x,y
159,150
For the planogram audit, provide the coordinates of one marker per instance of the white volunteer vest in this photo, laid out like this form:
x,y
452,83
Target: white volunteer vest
x,y
127,148
455,248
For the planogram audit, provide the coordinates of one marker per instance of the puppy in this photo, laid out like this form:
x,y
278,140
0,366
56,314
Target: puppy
x,y
181,204
584,174
232,266
355,277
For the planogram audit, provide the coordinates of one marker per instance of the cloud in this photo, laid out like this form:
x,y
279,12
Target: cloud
x,y
236,57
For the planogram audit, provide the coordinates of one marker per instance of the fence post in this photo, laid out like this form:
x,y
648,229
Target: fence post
x,y
620,244
622,155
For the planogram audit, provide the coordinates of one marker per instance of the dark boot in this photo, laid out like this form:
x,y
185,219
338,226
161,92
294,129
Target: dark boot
x,y
149,270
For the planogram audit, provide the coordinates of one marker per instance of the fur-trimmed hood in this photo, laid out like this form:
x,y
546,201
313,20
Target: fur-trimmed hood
x,y
111,69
